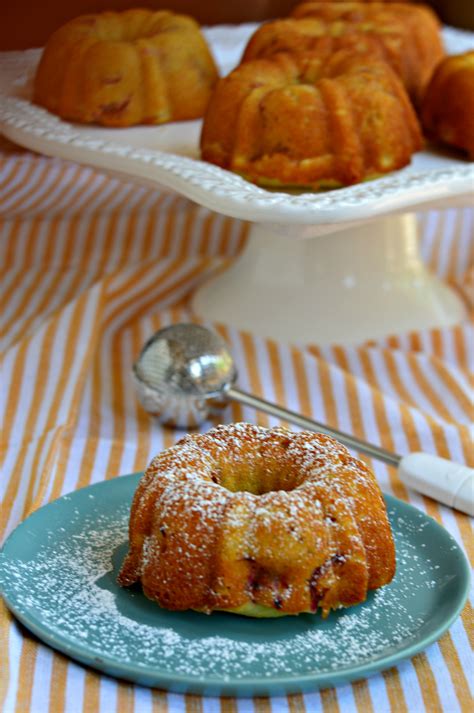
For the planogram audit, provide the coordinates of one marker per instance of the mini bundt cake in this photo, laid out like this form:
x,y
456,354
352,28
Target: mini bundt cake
x,y
125,68
408,36
311,37
258,522
448,107
310,121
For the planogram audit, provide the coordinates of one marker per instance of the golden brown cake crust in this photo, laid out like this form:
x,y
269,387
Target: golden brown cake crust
x,y
311,120
243,514
409,36
125,68
448,107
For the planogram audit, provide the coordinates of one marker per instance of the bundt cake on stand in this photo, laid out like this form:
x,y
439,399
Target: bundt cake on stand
x,y
447,112
407,37
319,120
126,68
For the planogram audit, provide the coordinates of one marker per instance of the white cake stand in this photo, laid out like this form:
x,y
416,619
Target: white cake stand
x,y
340,266
345,286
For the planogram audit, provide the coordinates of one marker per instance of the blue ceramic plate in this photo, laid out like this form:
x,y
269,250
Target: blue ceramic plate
x,y
58,571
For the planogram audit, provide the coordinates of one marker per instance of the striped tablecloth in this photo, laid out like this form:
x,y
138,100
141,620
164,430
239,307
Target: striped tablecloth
x,y
92,267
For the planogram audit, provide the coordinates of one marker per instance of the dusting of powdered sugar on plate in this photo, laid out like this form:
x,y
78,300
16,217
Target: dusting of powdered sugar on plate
x,y
69,587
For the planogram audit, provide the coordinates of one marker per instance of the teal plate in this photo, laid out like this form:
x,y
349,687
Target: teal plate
x,y
58,572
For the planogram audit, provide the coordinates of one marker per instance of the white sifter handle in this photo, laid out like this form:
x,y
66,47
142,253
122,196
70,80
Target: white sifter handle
x,y
450,483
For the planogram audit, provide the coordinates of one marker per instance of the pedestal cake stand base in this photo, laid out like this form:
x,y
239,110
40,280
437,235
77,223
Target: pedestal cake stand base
x,y
342,287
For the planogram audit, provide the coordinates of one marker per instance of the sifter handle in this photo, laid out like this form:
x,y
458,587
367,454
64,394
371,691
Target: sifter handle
x,y
441,479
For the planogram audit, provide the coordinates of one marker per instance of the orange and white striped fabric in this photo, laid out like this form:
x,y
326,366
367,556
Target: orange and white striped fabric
x,y
92,266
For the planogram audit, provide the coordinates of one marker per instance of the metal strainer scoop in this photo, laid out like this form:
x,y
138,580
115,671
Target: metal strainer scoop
x,y
185,373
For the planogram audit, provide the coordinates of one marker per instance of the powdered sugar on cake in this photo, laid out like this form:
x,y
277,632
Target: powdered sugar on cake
x,y
243,515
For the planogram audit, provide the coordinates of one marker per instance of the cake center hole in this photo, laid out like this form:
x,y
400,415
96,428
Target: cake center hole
x,y
256,480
